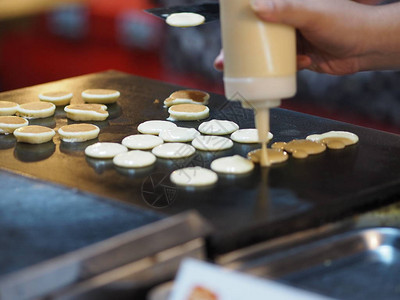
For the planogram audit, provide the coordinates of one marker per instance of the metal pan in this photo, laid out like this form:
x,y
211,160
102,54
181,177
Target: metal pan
x,y
360,264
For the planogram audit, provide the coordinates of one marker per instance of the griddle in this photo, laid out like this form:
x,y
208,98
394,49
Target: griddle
x,y
294,196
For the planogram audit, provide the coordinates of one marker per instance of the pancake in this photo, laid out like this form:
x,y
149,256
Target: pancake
x,y
247,136
179,134
34,134
105,150
155,126
173,150
275,156
188,112
335,139
9,123
232,165
86,112
212,143
142,141
218,127
300,148
194,177
103,96
36,110
8,108
185,19
187,97
78,132
134,159
58,98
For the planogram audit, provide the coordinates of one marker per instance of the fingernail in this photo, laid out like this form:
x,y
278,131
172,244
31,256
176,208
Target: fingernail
x,y
260,4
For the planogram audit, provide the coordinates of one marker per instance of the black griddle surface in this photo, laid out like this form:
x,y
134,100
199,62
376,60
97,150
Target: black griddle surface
x,y
293,196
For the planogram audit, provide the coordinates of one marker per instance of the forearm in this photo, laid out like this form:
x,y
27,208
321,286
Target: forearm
x,y
383,46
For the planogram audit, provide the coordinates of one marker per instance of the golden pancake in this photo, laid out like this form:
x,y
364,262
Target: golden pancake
x,y
9,123
35,110
34,134
188,112
8,108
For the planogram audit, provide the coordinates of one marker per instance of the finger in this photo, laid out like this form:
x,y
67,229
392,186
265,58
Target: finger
x,y
219,61
369,2
303,62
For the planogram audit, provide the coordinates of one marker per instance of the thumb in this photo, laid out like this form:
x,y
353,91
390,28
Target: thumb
x,y
290,12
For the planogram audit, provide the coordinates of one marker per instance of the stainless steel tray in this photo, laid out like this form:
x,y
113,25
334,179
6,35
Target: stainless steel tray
x,y
359,264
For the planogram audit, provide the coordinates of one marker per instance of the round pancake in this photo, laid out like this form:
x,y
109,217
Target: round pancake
x,y
155,126
8,108
58,98
232,165
9,123
105,150
188,112
173,150
86,112
36,110
78,132
134,159
187,97
218,127
34,134
335,139
194,177
142,141
185,19
212,143
104,96
179,134
247,136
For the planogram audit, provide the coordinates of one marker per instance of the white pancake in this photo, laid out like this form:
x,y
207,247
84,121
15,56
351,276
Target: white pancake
x,y
86,112
248,136
134,159
142,141
232,165
173,150
333,134
218,127
58,98
188,112
36,110
9,123
212,143
34,134
155,126
179,134
105,150
78,132
185,19
103,96
8,108
194,177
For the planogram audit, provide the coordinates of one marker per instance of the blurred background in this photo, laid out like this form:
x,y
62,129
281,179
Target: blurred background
x,y
47,40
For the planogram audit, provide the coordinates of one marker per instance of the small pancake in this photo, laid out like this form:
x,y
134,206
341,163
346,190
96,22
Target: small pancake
x,y
218,127
86,112
105,150
187,97
58,98
194,177
78,132
9,123
142,141
335,139
155,126
275,156
185,19
188,112
179,134
34,134
232,165
8,108
103,96
247,136
173,150
134,159
212,143
36,110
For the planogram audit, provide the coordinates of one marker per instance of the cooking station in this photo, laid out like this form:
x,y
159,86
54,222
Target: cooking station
x,y
61,209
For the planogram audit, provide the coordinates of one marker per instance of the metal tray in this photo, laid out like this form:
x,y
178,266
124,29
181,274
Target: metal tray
x,y
359,264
